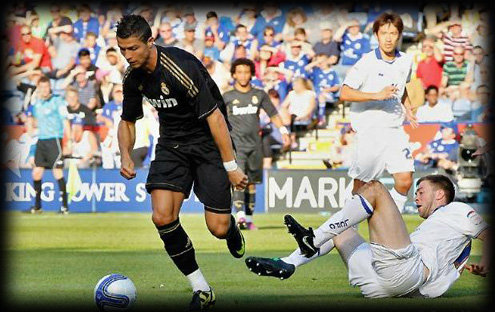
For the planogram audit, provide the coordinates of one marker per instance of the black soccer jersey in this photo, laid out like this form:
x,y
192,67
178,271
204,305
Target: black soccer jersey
x,y
181,90
243,110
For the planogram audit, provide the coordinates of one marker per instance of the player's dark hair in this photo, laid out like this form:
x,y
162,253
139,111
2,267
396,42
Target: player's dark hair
x,y
440,182
44,79
388,18
432,87
211,14
242,61
133,25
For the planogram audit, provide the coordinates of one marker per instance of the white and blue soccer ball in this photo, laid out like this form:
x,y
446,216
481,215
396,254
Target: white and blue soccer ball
x,y
115,292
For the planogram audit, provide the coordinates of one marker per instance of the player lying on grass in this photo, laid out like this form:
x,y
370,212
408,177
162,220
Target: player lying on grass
x,y
393,264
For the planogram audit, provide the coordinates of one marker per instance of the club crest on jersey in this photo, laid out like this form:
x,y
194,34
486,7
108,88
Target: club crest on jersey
x,y
140,87
164,88
254,99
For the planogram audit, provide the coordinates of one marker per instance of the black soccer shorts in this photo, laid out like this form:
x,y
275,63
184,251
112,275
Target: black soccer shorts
x,y
177,167
49,154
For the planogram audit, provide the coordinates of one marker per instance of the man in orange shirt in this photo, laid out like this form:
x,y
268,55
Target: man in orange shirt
x,y
30,53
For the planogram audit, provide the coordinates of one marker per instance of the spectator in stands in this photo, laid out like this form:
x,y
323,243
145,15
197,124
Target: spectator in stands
x,y
189,19
170,14
326,83
478,61
353,43
482,37
455,72
85,23
452,37
190,43
271,15
247,16
301,102
110,117
77,111
84,145
113,16
430,69
296,18
342,150
296,60
64,57
275,78
90,44
434,110
215,29
86,88
268,56
211,50
166,36
328,12
30,53
270,135
327,45
241,38
482,108
269,39
218,72
84,59
441,152
58,24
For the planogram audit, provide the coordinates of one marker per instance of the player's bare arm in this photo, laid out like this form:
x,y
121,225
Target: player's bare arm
x,y
483,267
352,95
221,135
277,121
127,136
413,120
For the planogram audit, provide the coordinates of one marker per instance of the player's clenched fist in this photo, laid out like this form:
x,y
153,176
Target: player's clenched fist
x,y
127,169
238,178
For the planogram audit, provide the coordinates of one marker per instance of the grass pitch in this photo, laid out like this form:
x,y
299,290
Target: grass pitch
x,y
54,261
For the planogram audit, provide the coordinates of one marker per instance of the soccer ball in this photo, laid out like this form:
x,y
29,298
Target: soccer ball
x,y
115,292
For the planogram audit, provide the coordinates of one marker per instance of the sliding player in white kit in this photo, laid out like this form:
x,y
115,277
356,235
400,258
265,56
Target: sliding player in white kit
x,y
376,86
394,263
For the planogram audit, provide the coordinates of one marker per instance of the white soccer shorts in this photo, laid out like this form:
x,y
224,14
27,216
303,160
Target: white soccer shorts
x,y
378,150
382,272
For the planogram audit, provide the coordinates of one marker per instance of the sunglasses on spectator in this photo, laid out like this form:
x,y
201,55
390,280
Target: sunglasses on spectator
x,y
165,30
25,34
55,10
458,53
269,35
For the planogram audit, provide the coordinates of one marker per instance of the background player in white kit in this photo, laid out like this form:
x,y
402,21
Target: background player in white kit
x,y
425,263
376,86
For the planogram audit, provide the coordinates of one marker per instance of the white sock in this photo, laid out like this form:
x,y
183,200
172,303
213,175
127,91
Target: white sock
x,y
249,218
198,281
297,259
356,210
399,199
241,215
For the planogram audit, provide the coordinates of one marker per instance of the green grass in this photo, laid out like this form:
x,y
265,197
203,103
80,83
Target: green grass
x,y
56,260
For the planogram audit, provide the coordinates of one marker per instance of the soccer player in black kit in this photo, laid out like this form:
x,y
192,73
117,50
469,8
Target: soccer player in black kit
x,y
194,146
244,102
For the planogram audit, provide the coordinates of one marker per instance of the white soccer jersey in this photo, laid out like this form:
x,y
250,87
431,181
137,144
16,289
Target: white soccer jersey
x,y
443,240
371,74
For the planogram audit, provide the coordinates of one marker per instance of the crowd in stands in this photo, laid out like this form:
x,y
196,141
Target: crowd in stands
x,y
301,52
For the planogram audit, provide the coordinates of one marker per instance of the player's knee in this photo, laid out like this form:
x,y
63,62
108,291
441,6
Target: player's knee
x,y
162,219
403,184
219,229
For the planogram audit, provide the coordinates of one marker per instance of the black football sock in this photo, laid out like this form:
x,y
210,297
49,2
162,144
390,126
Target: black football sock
x,y
250,202
37,189
178,246
63,191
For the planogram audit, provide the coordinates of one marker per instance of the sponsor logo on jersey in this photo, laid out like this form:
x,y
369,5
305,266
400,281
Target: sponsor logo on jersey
x,y
162,102
140,87
248,110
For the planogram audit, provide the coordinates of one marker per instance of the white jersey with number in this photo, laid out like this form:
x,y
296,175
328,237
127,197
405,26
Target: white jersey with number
x,y
371,74
444,242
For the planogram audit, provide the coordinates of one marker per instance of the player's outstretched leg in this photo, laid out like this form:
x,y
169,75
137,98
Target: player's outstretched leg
x,y
202,300
270,267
